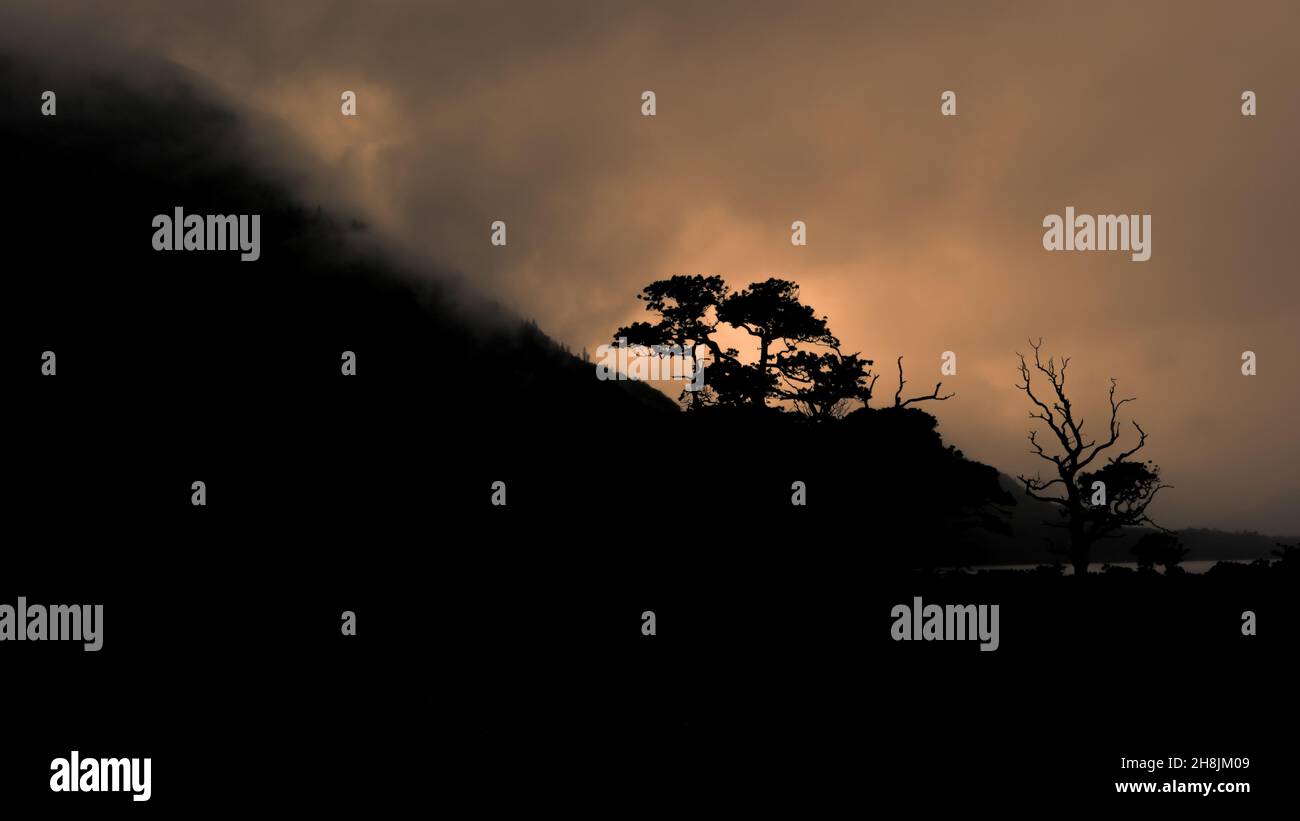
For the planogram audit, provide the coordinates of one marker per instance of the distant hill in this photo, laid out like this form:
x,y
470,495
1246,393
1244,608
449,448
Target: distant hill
x,y
1276,514
1032,540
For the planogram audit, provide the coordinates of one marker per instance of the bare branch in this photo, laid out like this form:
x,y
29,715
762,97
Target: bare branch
x,y
1027,387
899,402
898,394
1142,440
1033,485
1038,449
1114,425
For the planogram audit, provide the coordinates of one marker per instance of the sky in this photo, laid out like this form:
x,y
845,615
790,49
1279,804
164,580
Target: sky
x,y
924,231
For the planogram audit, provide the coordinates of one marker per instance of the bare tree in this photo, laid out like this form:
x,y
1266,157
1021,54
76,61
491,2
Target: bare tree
x,y
1126,487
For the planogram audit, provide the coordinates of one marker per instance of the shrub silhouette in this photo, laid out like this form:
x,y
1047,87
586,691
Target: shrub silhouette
x,y
1159,549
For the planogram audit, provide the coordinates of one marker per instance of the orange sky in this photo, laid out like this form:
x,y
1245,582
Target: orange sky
x,y
924,231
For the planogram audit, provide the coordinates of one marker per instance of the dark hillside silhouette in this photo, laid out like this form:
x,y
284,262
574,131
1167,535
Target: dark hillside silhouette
x,y
232,353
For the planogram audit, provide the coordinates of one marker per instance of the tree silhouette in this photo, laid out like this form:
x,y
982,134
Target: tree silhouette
x,y
771,312
687,308
820,384
1159,549
1129,487
690,310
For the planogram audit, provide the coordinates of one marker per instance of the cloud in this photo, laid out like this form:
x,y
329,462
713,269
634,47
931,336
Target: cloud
x,y
924,231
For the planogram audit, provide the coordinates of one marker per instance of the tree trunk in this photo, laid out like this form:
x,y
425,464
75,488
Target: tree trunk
x,y
760,395
1079,549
